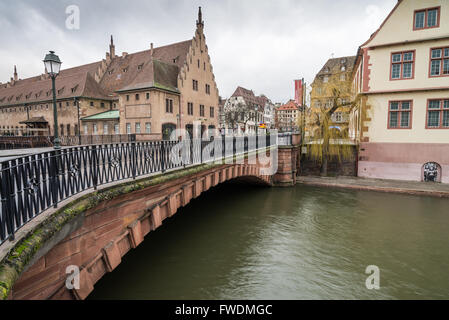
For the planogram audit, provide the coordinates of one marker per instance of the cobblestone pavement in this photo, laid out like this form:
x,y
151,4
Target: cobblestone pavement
x,y
408,187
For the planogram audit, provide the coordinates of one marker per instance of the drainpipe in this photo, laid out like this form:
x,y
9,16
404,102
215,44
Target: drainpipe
x,y
79,124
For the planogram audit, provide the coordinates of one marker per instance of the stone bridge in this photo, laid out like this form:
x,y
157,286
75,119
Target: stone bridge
x,y
95,229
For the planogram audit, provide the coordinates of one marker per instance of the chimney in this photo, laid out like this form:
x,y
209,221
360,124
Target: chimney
x,y
112,48
15,74
151,50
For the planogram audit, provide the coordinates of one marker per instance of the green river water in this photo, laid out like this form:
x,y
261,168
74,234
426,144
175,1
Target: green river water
x,y
246,242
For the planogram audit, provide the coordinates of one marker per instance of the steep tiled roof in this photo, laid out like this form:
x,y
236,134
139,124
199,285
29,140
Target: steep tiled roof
x,y
290,105
68,85
129,71
333,65
247,95
156,74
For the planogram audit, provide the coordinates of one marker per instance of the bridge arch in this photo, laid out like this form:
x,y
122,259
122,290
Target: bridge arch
x,y
98,230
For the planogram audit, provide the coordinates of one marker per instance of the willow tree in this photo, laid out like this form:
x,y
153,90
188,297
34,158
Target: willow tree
x,y
329,142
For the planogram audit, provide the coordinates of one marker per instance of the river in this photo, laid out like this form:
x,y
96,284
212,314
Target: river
x,y
246,242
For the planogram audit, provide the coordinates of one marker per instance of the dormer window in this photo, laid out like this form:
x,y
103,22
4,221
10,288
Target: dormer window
x,y
140,66
74,88
125,69
61,90
426,18
111,71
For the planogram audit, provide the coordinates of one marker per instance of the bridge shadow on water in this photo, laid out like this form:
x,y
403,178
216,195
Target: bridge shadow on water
x,y
191,249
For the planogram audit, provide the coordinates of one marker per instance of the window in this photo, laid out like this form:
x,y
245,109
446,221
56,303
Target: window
x,y
399,115
190,108
342,77
102,104
147,127
85,129
128,128
116,128
402,65
195,85
137,127
95,129
326,79
148,95
338,117
137,96
105,128
207,89
427,18
91,103
201,110
438,114
198,63
169,105
211,112
439,62
127,97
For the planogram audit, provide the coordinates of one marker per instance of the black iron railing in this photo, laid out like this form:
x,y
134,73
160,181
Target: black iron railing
x,y
31,184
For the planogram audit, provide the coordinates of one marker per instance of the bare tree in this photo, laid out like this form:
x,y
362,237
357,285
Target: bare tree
x,y
237,113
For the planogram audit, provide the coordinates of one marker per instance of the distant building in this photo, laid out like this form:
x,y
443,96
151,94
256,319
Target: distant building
x,y
268,112
288,117
221,113
335,72
150,92
402,74
245,112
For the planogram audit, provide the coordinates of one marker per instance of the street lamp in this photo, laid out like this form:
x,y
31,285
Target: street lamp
x,y
53,65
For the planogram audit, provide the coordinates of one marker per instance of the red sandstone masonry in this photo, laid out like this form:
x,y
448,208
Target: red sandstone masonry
x,y
112,229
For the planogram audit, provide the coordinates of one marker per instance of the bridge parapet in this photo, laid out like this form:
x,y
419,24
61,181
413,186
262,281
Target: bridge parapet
x,y
110,223
33,265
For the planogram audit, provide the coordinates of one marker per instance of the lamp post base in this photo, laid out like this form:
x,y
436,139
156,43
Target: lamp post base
x,y
57,144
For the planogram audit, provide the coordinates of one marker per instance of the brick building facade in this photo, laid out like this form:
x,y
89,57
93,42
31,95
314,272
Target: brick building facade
x,y
152,92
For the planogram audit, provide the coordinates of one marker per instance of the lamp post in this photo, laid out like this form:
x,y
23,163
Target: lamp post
x,y
53,65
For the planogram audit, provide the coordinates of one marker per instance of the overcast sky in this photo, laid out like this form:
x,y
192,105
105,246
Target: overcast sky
x,y
261,45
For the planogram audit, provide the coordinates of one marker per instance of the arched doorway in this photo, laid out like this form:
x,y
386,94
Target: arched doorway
x,y
167,129
431,172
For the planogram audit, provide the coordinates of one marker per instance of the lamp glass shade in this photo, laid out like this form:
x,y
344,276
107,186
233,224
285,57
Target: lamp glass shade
x,y
52,63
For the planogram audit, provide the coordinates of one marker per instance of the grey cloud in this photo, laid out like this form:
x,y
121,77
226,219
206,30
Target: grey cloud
x,y
262,45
